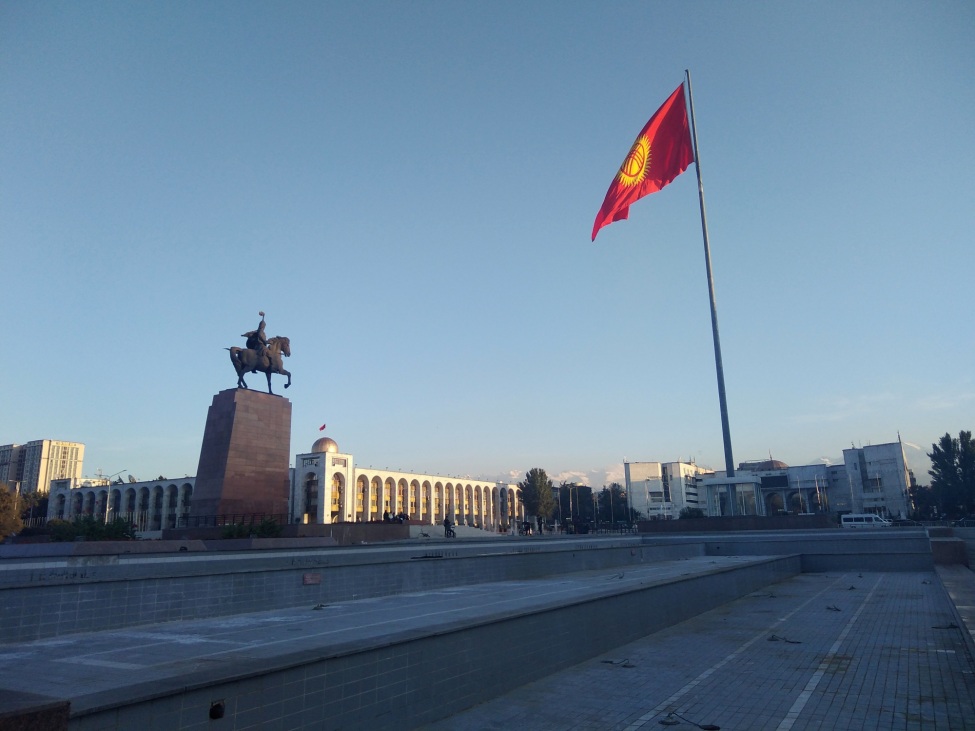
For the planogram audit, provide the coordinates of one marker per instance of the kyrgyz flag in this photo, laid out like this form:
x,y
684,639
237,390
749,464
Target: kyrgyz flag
x,y
662,151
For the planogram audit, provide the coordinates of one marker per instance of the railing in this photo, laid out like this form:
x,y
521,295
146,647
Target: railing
x,y
215,521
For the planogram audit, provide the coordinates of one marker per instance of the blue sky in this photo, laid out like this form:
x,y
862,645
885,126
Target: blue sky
x,y
408,189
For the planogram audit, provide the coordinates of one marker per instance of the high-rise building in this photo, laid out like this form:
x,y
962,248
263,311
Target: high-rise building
x,y
659,491
30,467
879,479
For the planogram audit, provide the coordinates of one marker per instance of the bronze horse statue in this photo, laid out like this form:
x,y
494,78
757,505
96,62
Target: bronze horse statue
x,y
245,359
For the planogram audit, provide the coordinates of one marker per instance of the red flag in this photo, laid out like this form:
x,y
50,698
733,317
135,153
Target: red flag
x,y
662,151
321,428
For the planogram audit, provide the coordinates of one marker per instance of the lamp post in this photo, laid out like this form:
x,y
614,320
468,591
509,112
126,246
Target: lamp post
x,y
108,493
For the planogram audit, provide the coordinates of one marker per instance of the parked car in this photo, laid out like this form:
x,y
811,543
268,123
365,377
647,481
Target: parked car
x,y
863,520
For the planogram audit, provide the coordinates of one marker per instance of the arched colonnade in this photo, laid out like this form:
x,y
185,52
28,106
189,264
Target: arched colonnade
x,y
426,498
148,506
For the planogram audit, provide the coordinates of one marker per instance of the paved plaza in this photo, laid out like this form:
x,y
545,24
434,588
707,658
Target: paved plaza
x,y
853,650
843,649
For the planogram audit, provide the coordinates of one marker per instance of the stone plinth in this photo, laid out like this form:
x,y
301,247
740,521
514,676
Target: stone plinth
x,y
244,458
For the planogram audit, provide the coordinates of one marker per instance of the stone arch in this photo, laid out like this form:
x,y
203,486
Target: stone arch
x,y
468,506
486,497
156,508
796,502
439,505
514,506
361,498
416,500
388,502
428,514
389,490
813,502
339,506
60,504
171,501
186,497
142,509
115,504
309,491
450,502
773,504
459,504
402,496
128,507
374,493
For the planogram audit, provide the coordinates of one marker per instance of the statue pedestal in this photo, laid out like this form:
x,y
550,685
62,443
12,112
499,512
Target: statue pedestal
x,y
244,458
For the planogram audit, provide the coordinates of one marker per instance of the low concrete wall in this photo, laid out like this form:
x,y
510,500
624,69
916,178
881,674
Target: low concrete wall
x,y
46,597
883,549
726,523
342,534
948,551
403,682
32,712
968,536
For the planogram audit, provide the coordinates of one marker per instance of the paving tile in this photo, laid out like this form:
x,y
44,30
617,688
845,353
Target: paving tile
x,y
889,659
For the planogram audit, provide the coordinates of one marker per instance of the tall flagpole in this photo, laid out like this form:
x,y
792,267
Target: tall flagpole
x,y
729,461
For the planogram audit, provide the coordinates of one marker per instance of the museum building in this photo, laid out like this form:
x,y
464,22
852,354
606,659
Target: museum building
x,y
325,487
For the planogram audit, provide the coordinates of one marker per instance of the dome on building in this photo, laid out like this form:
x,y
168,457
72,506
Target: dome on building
x,y
325,444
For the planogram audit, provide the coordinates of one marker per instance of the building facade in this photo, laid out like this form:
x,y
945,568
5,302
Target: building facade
x,y
872,479
660,490
32,466
327,487
879,479
149,506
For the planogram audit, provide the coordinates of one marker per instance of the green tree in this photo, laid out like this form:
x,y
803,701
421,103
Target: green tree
x,y
689,512
576,503
612,504
267,528
966,469
90,528
32,506
536,493
924,502
953,474
10,521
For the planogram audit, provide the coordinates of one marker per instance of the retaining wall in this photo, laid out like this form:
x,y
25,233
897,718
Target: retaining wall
x,y
51,596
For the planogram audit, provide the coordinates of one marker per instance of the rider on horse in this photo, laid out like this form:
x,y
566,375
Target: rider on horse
x,y
257,340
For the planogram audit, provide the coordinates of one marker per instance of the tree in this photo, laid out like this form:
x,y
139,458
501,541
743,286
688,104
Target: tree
x,y
10,521
953,474
33,505
536,493
575,503
612,504
924,502
89,528
966,469
689,512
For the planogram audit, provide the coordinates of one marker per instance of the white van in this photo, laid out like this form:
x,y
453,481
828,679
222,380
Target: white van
x,y
863,520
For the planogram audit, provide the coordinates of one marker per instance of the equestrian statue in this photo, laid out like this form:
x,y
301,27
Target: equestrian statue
x,y
261,354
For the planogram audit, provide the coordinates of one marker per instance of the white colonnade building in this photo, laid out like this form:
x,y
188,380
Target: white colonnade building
x,y
327,487
149,506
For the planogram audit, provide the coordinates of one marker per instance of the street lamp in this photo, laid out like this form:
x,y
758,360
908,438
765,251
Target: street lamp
x,y
108,492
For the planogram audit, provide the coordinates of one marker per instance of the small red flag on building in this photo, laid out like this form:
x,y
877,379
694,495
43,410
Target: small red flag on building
x,y
321,428
662,151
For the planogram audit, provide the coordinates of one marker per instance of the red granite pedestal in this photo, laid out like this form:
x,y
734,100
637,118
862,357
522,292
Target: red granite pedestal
x,y
244,459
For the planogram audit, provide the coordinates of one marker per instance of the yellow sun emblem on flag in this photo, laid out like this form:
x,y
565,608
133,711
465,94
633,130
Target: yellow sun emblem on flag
x,y
637,163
